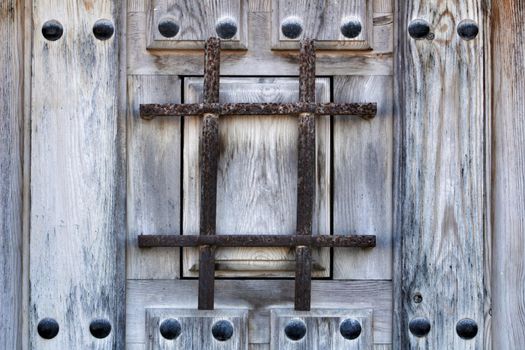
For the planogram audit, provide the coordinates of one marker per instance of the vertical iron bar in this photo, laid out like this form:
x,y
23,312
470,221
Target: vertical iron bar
x,y
209,157
305,176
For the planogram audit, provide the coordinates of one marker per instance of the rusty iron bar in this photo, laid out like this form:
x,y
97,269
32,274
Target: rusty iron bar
x,y
357,241
364,110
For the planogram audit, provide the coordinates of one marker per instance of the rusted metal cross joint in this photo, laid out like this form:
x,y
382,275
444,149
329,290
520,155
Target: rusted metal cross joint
x,y
211,110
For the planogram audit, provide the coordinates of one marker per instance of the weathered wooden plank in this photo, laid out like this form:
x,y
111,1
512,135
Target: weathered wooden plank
x,y
11,162
154,182
508,166
259,296
362,179
77,220
440,182
257,185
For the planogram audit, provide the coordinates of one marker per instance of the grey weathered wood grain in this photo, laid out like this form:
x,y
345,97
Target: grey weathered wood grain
x,y
154,181
77,218
440,179
11,162
508,166
322,329
362,178
257,181
259,296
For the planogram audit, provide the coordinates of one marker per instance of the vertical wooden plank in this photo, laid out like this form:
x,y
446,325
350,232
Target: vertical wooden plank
x,y
154,181
77,218
440,182
508,166
11,159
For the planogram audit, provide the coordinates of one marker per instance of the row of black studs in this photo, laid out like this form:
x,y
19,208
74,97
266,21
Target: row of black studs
x,y
53,30
48,328
465,328
226,27
171,329
295,329
420,29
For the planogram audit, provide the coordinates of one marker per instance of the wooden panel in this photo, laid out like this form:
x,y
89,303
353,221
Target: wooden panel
x,y
259,296
196,20
154,181
322,329
77,208
196,329
508,166
322,20
440,184
11,160
257,182
362,179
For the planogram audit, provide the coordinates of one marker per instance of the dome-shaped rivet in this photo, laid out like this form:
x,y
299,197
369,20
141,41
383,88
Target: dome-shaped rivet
x,y
419,326
168,28
52,30
103,29
467,328
295,330
419,29
468,29
350,329
222,330
170,329
226,27
48,328
292,27
100,328
351,27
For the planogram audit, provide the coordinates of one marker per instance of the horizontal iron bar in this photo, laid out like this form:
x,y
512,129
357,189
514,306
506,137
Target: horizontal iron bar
x,y
360,241
150,111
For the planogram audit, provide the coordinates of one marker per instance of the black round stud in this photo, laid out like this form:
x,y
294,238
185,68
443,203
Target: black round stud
x,y
418,298
168,28
467,328
292,27
419,326
468,29
48,328
222,330
103,29
350,329
226,28
170,329
100,328
419,29
295,330
351,28
52,30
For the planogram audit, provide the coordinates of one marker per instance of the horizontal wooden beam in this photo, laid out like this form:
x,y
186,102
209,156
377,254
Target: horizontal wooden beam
x,y
360,241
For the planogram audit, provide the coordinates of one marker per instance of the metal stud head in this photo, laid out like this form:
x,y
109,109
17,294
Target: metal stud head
x,y
48,328
226,28
103,29
351,27
468,29
222,330
467,328
419,326
167,27
170,329
295,329
100,328
350,329
52,30
419,29
292,27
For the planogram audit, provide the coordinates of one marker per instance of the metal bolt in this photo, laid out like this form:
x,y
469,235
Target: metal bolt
x,y
48,328
468,29
103,29
419,326
168,27
100,328
295,330
170,329
226,27
292,27
52,30
467,328
418,298
419,29
222,330
351,27
350,329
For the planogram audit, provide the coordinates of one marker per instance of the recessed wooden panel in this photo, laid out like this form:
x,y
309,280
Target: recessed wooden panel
x,y
257,182
196,20
322,20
